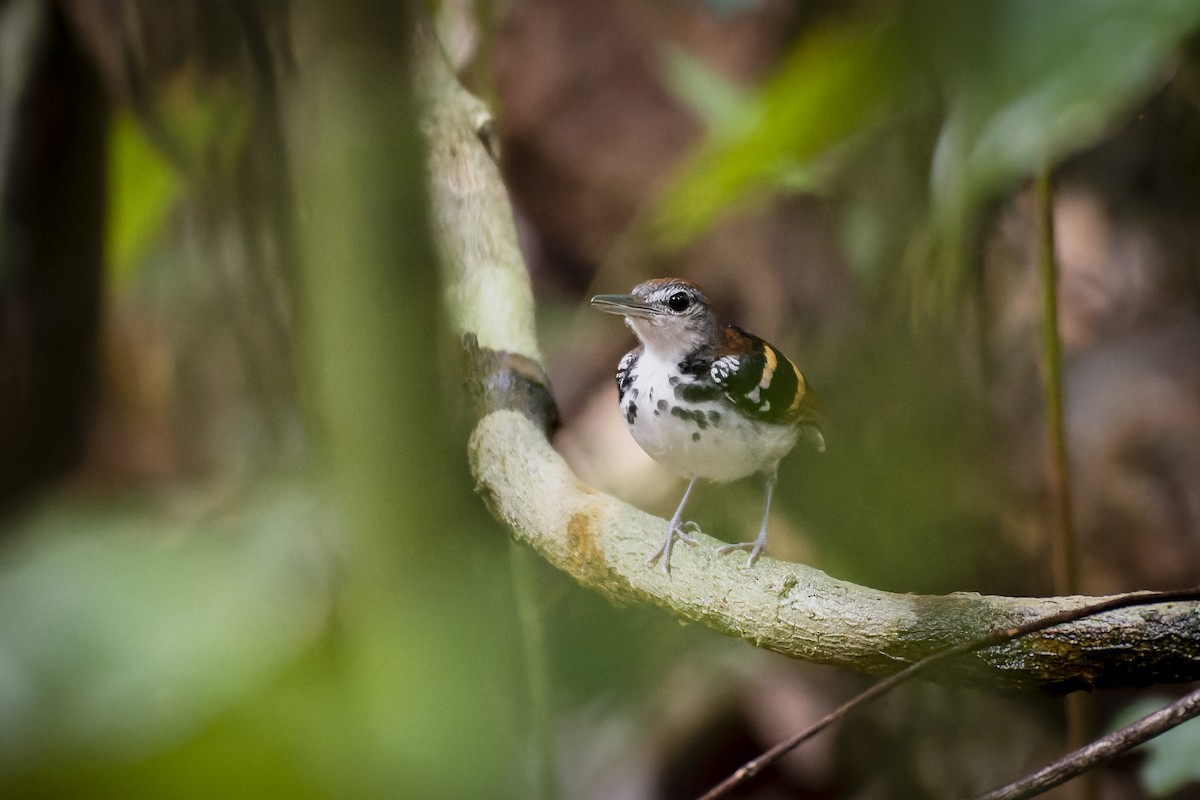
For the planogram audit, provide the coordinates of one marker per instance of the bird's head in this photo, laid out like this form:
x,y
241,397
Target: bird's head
x,y
670,316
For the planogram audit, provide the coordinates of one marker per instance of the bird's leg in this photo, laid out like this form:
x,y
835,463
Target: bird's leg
x,y
756,547
674,531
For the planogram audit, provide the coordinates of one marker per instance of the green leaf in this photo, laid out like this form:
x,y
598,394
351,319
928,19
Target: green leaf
x,y
124,629
1028,81
833,83
1171,760
142,189
720,103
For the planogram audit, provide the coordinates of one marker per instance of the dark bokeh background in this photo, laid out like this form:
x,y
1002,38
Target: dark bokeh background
x,y
240,552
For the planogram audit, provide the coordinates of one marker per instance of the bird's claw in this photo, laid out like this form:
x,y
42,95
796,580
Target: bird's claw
x,y
658,555
682,533
755,549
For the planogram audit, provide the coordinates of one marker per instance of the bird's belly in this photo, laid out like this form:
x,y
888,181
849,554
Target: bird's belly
x,y
703,440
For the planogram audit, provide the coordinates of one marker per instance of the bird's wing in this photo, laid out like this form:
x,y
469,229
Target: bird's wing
x,y
762,382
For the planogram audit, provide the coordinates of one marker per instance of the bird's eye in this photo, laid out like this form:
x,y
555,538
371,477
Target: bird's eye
x,y
679,301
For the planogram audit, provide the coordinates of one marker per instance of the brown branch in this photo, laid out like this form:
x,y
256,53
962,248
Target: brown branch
x,y
756,765
1104,748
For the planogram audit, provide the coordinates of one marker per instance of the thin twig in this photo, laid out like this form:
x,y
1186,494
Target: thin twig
x,y
1100,750
999,636
1065,565
1065,571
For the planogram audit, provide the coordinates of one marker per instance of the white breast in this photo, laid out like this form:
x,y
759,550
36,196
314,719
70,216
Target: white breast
x,y
702,440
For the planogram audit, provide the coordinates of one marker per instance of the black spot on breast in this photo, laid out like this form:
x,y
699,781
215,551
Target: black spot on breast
x,y
697,392
661,405
696,436
714,417
631,413
697,417
634,392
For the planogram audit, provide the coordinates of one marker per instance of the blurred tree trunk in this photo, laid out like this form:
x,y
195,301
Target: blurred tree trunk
x,y
54,121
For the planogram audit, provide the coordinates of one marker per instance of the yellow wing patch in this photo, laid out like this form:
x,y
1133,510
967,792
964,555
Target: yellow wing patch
x,y
801,389
769,368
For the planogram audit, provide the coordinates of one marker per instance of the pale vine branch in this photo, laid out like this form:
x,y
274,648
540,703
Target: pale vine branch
x,y
789,608
751,768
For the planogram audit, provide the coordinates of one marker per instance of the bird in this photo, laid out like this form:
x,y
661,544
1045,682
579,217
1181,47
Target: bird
x,y
706,400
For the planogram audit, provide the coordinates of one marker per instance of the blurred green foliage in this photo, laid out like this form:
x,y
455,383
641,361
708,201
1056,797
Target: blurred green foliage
x,y
142,190
351,632
346,633
126,627
834,82
720,104
1026,83
1010,88
1170,759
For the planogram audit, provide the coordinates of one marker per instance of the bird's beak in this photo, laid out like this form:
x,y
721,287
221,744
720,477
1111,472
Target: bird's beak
x,y
624,304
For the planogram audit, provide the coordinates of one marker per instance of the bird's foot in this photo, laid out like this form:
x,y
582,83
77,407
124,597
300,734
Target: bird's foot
x,y
755,548
663,554
684,533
